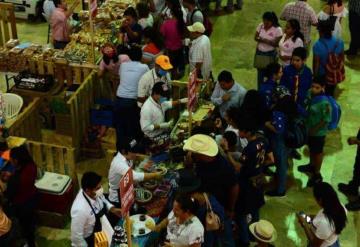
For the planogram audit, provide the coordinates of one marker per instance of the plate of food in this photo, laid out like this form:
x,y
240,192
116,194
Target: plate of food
x,y
150,185
142,195
140,224
161,169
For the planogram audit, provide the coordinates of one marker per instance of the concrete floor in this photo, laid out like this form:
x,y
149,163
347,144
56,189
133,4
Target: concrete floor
x,y
233,49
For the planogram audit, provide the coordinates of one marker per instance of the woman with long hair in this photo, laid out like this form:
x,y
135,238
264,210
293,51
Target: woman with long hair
x,y
173,30
334,10
326,226
291,39
267,36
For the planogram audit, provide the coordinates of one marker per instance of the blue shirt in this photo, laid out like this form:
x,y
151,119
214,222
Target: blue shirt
x,y
237,95
322,51
288,80
266,90
130,74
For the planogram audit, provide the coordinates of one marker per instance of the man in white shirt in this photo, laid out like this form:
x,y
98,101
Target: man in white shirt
x,y
126,110
152,115
88,208
200,51
121,163
159,73
227,93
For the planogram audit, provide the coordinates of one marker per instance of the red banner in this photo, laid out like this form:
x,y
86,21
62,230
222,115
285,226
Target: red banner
x,y
127,191
192,91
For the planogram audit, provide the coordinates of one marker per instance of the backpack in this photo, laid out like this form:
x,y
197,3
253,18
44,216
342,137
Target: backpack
x,y
206,21
335,110
334,67
296,133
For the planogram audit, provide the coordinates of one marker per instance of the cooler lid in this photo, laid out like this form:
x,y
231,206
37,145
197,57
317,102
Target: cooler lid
x,y
53,183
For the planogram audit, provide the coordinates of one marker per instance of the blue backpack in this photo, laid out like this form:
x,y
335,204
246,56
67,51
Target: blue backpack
x,y
335,110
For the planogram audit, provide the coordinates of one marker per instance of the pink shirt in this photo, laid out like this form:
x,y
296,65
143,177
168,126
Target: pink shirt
x,y
173,38
59,26
271,34
287,47
114,67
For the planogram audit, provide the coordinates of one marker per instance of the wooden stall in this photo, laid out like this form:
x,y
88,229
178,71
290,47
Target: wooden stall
x,y
7,23
27,123
54,158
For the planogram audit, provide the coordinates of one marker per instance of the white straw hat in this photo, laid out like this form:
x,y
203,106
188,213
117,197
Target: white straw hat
x,y
202,144
264,231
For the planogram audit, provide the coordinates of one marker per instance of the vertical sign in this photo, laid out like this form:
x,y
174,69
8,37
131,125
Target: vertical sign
x,y
127,191
192,96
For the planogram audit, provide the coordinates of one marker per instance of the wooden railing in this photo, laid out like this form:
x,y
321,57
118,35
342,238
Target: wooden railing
x,y
80,103
7,23
54,158
27,123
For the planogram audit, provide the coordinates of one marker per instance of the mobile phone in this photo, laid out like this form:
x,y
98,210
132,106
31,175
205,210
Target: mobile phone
x,y
306,217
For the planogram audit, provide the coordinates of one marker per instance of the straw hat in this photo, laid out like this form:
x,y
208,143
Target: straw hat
x,y
264,231
202,144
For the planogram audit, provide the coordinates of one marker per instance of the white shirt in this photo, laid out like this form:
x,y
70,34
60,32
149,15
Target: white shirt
x,y
286,47
119,166
271,34
200,52
146,22
151,114
147,82
237,95
48,8
83,218
130,72
191,232
325,229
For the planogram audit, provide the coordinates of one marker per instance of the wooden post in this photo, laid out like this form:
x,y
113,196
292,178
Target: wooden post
x,y
92,52
190,121
128,229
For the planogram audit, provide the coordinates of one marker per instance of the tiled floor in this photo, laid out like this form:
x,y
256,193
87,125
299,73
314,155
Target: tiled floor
x,y
233,49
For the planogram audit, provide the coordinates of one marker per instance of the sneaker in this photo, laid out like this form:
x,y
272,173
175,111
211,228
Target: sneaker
x,y
306,168
295,154
353,206
348,189
314,180
274,193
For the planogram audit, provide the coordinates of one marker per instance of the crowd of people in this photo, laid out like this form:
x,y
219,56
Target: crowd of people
x,y
229,157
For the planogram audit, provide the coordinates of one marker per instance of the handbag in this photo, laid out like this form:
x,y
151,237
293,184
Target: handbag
x,y
212,220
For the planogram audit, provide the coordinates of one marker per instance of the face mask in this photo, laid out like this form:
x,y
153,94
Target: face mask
x,y
162,99
99,192
162,72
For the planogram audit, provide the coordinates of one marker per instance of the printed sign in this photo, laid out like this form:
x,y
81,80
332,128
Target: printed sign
x,y
127,191
192,91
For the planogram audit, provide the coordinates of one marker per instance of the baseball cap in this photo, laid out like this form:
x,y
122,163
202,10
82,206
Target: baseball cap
x,y
197,27
164,62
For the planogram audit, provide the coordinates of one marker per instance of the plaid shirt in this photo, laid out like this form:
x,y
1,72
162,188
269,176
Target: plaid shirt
x,y
304,13
354,6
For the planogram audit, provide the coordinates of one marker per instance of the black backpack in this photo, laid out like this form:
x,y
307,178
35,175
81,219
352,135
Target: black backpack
x,y
296,133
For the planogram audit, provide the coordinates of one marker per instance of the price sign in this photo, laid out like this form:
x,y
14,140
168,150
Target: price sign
x,y
192,91
127,191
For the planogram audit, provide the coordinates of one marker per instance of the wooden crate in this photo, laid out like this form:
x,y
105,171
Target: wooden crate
x,y
27,123
7,23
54,158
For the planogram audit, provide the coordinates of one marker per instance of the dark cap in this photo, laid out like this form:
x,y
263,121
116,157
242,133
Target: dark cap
x,y
161,88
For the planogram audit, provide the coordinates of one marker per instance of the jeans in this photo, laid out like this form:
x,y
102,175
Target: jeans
x,y
354,23
281,153
126,119
226,236
243,221
230,4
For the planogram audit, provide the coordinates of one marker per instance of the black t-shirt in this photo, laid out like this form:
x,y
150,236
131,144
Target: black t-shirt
x,y
135,28
252,159
217,178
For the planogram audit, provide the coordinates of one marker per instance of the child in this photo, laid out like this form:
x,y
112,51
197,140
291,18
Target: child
x,y
352,187
317,121
297,77
273,74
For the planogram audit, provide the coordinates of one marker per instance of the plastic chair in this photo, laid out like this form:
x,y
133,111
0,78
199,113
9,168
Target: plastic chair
x,y
12,105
